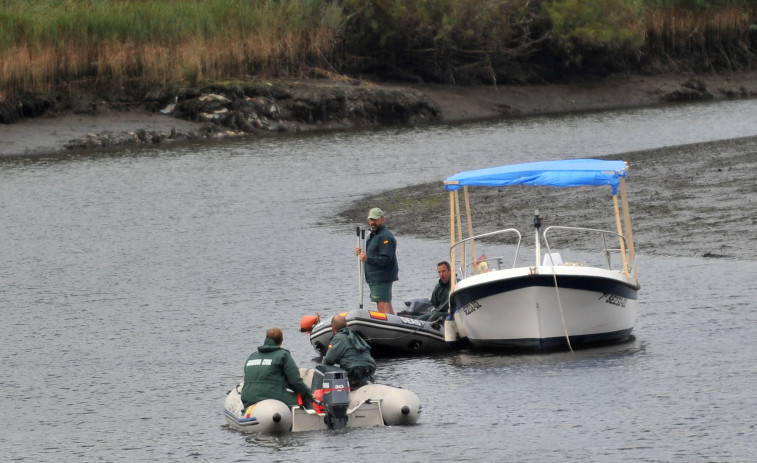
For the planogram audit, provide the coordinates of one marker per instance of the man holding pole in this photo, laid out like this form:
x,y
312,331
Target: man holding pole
x,y
380,261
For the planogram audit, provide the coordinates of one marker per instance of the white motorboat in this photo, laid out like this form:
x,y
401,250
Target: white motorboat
x,y
565,298
338,407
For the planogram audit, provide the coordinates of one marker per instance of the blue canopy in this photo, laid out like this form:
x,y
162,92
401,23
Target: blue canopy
x,y
565,173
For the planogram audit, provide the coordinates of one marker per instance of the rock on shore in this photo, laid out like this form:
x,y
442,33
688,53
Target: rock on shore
x,y
216,111
51,123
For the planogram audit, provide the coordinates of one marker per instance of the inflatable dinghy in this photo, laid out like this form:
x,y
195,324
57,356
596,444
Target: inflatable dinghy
x,y
337,406
388,334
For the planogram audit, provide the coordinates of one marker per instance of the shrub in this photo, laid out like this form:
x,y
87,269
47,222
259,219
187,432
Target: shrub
x,y
598,35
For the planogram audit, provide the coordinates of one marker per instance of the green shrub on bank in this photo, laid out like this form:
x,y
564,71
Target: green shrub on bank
x,y
442,40
607,32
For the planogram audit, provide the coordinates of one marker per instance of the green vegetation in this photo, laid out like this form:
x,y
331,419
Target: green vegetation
x,y
45,43
606,30
443,40
59,44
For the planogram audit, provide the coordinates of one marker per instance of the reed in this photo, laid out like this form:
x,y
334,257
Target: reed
x,y
59,44
702,38
46,43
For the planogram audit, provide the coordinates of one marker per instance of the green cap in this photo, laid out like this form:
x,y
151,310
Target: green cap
x,y
375,213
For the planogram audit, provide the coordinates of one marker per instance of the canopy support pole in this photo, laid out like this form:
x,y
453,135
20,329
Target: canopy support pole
x,y
459,230
470,227
629,232
452,236
620,238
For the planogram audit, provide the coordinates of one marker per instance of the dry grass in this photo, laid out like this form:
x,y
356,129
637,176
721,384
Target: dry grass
x,y
48,44
56,44
681,33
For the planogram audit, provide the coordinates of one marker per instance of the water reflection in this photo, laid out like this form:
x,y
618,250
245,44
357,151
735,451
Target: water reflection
x,y
597,357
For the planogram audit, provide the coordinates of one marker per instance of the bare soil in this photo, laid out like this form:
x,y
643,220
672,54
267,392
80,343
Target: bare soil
x,y
696,200
90,122
464,103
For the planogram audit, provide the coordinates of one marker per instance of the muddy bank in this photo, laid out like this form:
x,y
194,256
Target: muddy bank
x,y
49,123
696,200
41,124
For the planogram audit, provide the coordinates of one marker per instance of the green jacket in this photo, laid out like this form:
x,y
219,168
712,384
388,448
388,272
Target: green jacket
x,y
440,296
381,248
353,355
270,373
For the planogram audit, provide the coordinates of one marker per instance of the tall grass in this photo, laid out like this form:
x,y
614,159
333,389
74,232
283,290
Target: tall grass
x,y
701,38
55,44
44,43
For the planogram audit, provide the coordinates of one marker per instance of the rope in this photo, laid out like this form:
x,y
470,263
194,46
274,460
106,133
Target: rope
x,y
559,304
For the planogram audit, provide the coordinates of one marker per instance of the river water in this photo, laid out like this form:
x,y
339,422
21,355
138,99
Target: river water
x,y
135,284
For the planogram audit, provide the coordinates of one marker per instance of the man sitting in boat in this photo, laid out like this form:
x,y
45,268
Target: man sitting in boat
x,y
440,294
351,352
271,373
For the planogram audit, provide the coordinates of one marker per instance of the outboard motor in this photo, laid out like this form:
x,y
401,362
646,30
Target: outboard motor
x,y
416,307
336,398
331,387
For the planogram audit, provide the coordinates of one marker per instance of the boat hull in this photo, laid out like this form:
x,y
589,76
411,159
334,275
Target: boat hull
x,y
387,334
370,405
273,416
525,309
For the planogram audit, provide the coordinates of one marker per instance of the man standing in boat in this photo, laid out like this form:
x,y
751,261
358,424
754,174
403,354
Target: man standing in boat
x,y
271,373
351,352
380,259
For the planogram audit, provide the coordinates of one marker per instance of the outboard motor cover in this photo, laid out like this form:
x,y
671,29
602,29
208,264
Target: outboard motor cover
x,y
417,306
332,384
336,398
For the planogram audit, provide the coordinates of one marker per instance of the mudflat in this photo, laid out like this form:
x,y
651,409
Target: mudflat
x,y
697,200
694,200
462,103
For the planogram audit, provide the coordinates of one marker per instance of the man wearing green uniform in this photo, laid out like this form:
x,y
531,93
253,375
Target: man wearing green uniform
x,y
440,295
351,352
380,261
270,373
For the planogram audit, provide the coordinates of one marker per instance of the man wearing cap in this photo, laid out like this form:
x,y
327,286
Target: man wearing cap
x,y
380,258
